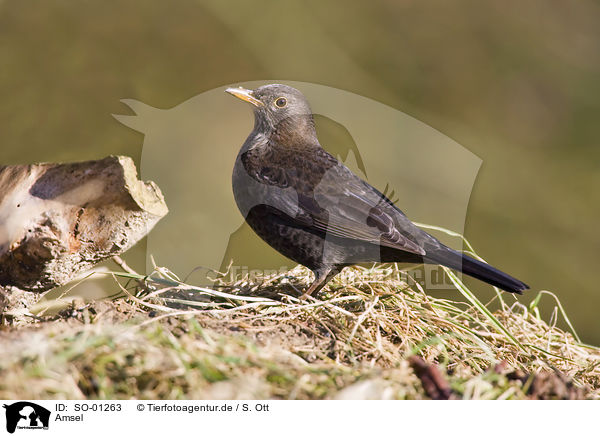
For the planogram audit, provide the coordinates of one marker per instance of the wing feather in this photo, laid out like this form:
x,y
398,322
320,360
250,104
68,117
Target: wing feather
x,y
341,205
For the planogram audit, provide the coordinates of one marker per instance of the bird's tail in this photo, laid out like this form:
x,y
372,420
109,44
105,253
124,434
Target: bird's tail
x,y
479,270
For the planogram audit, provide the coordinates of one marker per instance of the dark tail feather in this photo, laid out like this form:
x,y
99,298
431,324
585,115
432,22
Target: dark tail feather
x,y
479,270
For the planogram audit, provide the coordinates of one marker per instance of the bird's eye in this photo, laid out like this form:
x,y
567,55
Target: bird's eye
x,y
280,102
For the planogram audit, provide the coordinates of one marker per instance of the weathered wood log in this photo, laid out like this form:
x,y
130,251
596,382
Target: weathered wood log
x,y
57,220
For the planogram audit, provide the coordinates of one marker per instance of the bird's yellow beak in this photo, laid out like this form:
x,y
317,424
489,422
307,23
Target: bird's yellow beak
x,y
246,95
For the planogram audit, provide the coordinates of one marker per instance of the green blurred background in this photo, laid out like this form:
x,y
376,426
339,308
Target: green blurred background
x,y
516,83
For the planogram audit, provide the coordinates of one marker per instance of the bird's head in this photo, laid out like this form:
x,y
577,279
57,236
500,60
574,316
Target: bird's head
x,y
278,108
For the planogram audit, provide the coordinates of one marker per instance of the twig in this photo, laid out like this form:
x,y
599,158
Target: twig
x,y
123,265
434,383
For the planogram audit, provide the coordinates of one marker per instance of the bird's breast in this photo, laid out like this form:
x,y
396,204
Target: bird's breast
x,y
250,189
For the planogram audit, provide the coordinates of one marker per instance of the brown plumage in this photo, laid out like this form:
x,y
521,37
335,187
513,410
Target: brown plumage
x,y
311,208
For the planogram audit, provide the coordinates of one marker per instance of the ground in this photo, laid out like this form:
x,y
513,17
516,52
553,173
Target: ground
x,y
371,339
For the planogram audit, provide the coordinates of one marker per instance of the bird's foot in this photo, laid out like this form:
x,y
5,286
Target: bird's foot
x,y
304,296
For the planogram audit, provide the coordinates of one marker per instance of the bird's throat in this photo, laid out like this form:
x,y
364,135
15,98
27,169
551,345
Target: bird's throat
x,y
295,129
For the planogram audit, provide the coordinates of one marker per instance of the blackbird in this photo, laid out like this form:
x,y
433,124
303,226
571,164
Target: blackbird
x,y
311,208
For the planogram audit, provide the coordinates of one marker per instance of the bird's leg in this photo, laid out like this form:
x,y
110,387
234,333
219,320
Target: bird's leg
x,y
322,276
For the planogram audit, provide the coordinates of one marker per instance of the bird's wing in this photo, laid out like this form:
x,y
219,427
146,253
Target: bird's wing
x,y
351,208
340,204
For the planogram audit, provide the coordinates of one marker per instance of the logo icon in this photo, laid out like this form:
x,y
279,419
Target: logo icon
x,y
382,145
26,415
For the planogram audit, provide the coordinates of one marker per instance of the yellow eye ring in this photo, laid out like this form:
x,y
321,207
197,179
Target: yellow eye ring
x,y
280,102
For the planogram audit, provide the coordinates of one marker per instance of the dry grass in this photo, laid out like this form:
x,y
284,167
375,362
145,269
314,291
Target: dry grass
x,y
255,340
